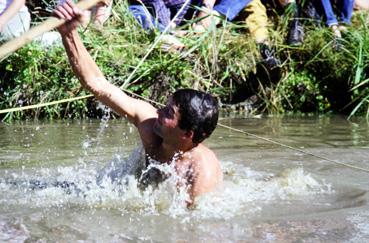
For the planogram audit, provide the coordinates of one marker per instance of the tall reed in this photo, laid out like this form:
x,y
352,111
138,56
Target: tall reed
x,y
314,77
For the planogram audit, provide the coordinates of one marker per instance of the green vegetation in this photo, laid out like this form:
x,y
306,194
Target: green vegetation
x,y
319,76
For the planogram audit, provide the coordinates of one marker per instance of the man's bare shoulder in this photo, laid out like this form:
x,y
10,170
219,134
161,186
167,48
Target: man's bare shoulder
x,y
206,169
204,154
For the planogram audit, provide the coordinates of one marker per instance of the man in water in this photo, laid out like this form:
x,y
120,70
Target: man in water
x,y
175,131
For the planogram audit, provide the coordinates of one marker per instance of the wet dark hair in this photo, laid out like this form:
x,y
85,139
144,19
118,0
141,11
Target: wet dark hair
x,y
198,112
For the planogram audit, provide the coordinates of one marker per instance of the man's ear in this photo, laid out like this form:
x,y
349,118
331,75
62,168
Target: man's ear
x,y
189,134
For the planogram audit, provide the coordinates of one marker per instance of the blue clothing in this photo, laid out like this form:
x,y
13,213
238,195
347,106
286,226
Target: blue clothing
x,y
230,8
158,13
344,8
145,18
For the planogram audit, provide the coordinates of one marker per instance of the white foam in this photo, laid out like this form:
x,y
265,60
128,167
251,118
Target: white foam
x,y
361,223
13,231
248,191
243,191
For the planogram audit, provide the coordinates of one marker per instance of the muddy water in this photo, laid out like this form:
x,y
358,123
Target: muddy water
x,y
270,193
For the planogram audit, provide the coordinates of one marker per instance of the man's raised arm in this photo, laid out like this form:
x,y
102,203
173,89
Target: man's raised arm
x,y
89,73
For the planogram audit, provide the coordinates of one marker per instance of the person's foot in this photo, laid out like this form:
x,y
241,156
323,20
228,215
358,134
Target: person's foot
x,y
180,33
337,38
170,43
296,34
210,19
336,31
199,28
311,12
268,56
343,29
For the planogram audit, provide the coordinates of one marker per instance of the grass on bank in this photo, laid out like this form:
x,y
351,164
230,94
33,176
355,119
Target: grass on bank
x,y
314,77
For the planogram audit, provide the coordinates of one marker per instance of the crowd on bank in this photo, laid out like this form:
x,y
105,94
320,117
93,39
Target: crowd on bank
x,y
170,14
15,19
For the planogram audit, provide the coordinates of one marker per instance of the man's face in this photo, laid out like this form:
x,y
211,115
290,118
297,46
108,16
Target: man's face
x,y
166,126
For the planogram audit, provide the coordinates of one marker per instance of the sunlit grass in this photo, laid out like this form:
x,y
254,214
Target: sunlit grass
x,y
315,77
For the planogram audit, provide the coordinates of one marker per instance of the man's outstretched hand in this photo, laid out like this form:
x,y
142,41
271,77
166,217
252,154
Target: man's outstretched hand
x,y
71,13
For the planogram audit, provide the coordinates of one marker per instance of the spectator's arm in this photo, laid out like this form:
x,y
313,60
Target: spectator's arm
x,y
10,11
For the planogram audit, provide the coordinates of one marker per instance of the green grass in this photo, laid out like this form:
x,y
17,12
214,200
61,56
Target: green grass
x,y
225,61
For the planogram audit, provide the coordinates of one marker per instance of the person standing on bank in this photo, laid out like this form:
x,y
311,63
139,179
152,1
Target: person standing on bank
x,y
338,21
177,130
14,19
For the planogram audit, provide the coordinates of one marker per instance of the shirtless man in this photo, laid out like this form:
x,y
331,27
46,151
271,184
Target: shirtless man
x,y
177,130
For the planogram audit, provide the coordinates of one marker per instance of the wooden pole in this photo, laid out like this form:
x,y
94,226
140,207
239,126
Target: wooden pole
x,y
49,24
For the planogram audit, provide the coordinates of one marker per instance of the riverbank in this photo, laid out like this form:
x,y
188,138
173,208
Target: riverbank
x,y
315,77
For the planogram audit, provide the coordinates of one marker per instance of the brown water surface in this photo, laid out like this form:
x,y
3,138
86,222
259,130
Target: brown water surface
x,y
270,193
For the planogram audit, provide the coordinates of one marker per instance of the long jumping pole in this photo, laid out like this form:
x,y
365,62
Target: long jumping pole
x,y
49,24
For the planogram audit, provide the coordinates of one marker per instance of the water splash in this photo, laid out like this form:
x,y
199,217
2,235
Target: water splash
x,y
360,220
13,230
244,190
